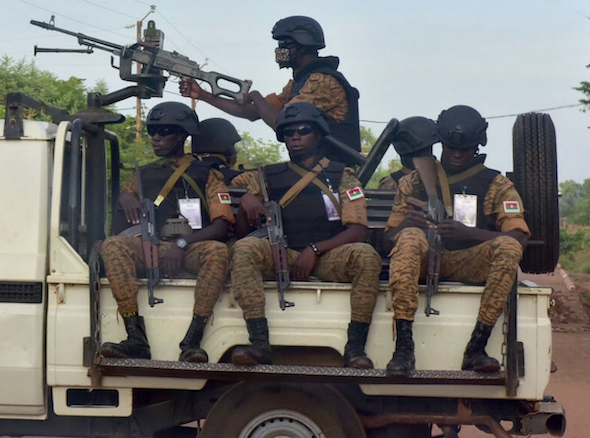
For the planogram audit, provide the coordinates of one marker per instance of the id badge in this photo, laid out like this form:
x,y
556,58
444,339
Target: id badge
x,y
465,209
191,210
331,210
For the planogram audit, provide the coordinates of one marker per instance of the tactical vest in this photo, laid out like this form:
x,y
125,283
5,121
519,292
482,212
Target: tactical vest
x,y
477,185
155,175
304,220
348,130
217,163
396,176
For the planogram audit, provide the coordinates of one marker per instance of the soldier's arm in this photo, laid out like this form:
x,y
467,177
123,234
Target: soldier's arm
x,y
220,213
501,202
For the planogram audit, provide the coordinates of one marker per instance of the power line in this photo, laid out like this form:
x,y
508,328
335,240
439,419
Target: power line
x,y
502,116
190,42
70,18
108,9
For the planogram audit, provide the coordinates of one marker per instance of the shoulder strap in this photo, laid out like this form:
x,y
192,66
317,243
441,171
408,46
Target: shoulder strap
x,y
306,179
184,164
467,173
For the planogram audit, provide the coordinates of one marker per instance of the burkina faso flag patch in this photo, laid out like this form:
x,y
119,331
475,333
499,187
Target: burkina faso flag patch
x,y
511,207
355,193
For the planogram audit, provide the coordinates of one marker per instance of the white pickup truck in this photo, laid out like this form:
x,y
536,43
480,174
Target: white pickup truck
x,y
56,308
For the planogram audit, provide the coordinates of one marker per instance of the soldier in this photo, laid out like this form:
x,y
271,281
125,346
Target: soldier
x,y
490,252
325,224
316,80
200,195
414,138
216,143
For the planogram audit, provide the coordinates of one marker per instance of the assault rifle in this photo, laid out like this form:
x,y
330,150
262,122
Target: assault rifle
x,y
426,167
278,242
153,60
149,240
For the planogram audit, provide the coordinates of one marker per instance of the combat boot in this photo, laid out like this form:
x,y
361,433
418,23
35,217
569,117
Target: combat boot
x,y
354,351
135,346
190,346
475,357
259,352
403,360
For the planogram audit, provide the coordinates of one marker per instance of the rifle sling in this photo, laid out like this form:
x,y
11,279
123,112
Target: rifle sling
x,y
179,171
446,182
306,179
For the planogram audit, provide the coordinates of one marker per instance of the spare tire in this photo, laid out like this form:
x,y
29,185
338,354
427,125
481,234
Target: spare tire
x,y
535,177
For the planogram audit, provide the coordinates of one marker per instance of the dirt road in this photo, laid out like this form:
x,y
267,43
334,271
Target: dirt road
x,y
570,385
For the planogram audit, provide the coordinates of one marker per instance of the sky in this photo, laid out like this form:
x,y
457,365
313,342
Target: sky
x,y
405,58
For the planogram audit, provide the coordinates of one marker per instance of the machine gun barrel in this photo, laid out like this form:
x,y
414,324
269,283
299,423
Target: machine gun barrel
x,y
50,50
84,40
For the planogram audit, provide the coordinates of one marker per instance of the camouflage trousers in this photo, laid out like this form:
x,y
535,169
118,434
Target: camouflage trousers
x,y
494,262
123,257
356,263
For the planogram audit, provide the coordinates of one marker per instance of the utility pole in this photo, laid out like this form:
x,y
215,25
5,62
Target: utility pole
x,y
138,26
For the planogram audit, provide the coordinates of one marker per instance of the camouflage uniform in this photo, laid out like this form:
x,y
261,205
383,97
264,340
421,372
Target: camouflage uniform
x,y
252,260
123,256
321,90
495,261
390,182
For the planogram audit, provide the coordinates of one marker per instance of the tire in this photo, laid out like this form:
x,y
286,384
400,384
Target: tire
x,y
535,178
265,410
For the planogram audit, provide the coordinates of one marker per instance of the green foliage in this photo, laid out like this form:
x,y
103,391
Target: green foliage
x,y
368,139
574,246
574,202
24,77
252,153
383,171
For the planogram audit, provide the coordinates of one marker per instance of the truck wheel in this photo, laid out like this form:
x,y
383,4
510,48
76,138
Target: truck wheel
x,y
535,178
266,410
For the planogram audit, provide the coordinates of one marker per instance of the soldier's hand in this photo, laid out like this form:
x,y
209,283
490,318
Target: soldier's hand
x,y
253,209
454,230
131,207
189,88
304,265
418,219
173,261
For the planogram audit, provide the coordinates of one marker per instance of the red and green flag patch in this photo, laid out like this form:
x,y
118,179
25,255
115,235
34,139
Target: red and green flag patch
x,y
224,198
355,193
511,207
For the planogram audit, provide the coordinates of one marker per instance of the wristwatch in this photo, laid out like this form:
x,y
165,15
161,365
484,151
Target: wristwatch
x,y
181,243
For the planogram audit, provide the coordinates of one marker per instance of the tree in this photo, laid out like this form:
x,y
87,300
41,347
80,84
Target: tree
x,y
368,140
23,76
574,203
252,153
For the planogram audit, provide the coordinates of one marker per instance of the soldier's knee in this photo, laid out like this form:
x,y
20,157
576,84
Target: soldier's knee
x,y
509,246
245,245
366,256
411,237
111,245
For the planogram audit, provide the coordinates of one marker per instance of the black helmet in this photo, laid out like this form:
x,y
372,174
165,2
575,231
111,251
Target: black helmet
x,y
216,136
301,112
174,113
414,134
462,127
304,30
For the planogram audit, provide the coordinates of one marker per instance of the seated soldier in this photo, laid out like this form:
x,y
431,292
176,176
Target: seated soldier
x,y
414,138
180,186
325,224
488,252
216,142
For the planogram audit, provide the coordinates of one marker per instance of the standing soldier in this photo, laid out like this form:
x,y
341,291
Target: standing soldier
x,y
488,251
180,186
325,224
316,80
414,138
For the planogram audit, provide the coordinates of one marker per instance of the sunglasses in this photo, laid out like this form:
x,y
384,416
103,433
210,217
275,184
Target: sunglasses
x,y
301,130
162,130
